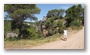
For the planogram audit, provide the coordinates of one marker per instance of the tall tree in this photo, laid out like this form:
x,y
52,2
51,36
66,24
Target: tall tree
x,y
19,13
74,13
80,12
83,16
55,13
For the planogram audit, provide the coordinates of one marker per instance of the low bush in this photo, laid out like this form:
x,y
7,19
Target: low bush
x,y
61,26
11,39
75,24
30,33
50,32
56,31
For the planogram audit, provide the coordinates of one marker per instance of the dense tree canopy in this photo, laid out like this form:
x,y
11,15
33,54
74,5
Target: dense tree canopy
x,y
74,13
54,22
55,13
20,12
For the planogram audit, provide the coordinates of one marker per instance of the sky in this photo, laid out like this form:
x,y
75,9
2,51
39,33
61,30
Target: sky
x,y
46,7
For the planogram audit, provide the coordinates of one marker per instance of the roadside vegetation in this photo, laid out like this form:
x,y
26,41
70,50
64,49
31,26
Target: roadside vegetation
x,y
17,32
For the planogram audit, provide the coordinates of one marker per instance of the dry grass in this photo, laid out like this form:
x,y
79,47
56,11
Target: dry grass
x,y
21,44
29,43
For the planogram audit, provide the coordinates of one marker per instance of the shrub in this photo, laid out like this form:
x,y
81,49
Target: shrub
x,y
39,34
50,31
61,26
49,22
61,29
56,31
54,25
75,24
60,23
7,26
51,19
30,33
11,39
26,34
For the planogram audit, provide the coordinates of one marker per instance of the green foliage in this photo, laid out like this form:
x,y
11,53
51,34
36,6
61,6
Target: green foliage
x,y
39,33
55,13
75,24
20,12
30,33
7,26
49,22
60,25
56,31
50,32
74,13
61,29
51,19
54,25
38,23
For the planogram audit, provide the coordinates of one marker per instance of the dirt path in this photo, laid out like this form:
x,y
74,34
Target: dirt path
x,y
75,41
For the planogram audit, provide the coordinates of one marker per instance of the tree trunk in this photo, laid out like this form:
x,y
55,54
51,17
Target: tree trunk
x,y
20,33
20,29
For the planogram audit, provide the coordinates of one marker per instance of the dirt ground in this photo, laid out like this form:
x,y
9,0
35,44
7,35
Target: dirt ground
x,y
74,41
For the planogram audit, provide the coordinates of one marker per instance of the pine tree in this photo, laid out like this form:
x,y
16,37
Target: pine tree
x,y
20,12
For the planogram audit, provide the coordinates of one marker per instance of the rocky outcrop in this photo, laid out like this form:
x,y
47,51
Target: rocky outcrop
x,y
11,35
54,26
45,33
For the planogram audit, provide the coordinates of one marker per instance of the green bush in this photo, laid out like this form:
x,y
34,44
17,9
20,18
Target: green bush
x,y
61,29
50,32
39,33
56,31
30,33
51,19
7,26
75,24
54,25
61,26
49,22
60,23
26,34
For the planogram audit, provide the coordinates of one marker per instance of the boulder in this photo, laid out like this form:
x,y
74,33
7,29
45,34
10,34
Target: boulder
x,y
45,33
11,35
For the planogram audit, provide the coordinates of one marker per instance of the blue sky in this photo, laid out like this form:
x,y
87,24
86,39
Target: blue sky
x,y
46,7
